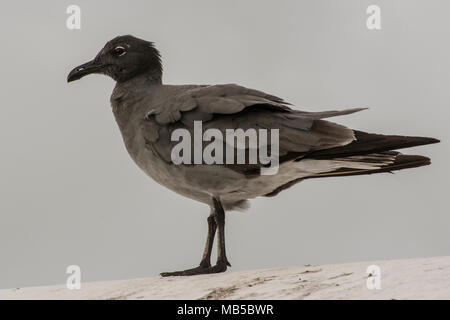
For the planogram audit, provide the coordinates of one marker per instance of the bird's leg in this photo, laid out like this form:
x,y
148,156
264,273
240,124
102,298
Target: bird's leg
x,y
212,226
220,222
216,220
205,263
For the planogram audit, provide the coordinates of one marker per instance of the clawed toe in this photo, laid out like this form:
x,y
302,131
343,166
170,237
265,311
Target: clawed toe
x,y
219,267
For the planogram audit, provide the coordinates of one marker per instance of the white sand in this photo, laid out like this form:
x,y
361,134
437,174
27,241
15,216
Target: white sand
x,y
423,278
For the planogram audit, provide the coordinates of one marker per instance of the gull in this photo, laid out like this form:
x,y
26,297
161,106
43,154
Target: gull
x,y
148,112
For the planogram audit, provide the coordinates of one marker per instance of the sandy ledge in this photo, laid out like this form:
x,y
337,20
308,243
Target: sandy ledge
x,y
422,278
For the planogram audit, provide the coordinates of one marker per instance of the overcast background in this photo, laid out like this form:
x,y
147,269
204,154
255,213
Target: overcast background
x,y
70,194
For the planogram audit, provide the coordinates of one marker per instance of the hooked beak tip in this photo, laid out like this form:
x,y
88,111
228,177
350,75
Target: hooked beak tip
x,y
71,77
83,70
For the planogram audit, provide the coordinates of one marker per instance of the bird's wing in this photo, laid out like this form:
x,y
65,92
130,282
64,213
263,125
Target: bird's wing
x,y
231,107
217,99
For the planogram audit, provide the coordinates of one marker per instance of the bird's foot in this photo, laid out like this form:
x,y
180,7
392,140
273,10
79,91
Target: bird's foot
x,y
201,269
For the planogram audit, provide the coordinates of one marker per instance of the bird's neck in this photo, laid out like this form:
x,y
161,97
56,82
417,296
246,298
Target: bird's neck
x,y
149,77
127,93
142,81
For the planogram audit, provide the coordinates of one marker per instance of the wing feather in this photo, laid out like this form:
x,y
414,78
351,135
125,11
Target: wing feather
x,y
231,106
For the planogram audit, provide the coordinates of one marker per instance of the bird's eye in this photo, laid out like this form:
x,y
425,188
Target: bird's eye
x,y
119,51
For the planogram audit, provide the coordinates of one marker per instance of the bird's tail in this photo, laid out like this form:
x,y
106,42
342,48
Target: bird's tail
x,y
367,154
366,143
374,150
387,161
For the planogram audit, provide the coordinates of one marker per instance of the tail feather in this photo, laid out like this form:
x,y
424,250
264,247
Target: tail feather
x,y
367,154
401,161
387,162
366,143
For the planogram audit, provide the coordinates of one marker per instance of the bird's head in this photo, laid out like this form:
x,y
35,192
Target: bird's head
x,y
122,58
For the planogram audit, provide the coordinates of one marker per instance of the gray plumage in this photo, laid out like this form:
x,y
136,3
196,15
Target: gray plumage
x,y
148,111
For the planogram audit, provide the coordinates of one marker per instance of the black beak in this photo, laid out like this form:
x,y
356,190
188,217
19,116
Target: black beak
x,y
83,70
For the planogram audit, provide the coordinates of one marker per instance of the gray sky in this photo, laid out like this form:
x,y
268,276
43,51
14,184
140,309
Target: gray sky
x,y
70,194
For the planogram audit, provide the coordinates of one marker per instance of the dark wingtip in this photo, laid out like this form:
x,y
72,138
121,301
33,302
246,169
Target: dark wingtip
x,y
411,161
433,140
422,141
